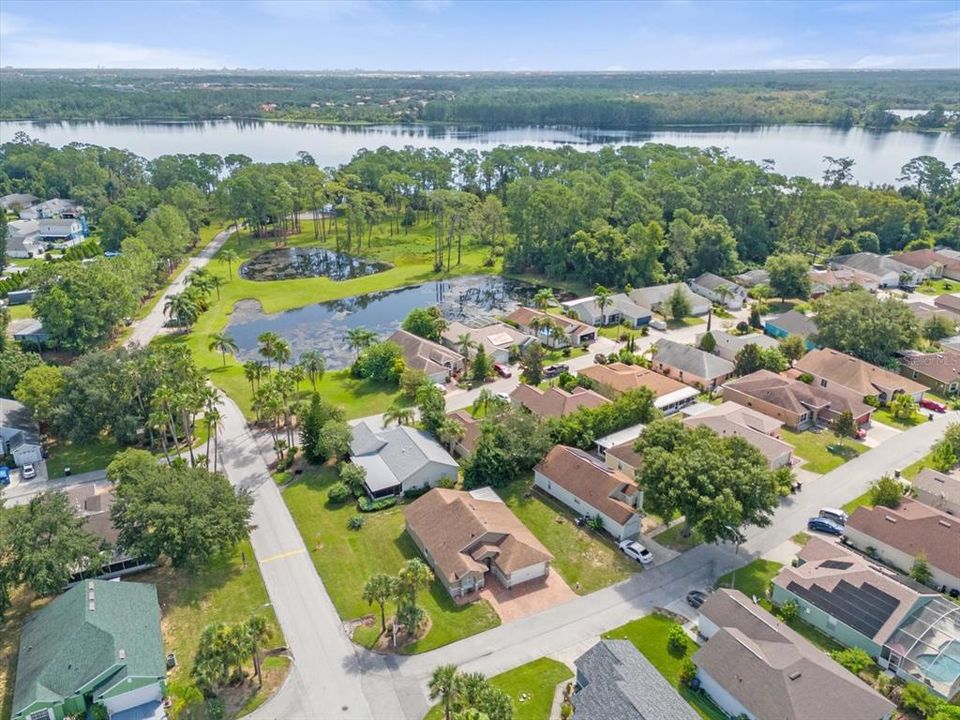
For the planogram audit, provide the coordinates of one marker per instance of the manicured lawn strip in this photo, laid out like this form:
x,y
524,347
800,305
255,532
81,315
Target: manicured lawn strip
x,y
551,357
685,322
812,447
673,538
752,580
801,538
579,555
864,499
80,458
913,469
346,559
883,415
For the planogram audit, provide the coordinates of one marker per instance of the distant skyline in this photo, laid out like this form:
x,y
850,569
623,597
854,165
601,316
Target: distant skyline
x,y
437,35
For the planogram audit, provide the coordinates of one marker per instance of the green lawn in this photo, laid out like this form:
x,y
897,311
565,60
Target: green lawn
x,y
674,539
753,579
864,499
579,555
913,469
685,322
80,458
536,682
814,448
650,634
883,415
20,312
560,356
347,559
939,287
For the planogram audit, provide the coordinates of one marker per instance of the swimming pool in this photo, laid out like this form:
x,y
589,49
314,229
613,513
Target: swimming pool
x,y
944,668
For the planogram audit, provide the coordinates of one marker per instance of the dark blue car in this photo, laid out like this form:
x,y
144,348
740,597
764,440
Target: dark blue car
x,y
824,525
4,475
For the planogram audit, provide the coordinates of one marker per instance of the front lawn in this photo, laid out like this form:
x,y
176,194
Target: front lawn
x,y
685,322
346,559
820,449
80,457
674,539
753,580
942,286
585,561
864,500
883,415
913,469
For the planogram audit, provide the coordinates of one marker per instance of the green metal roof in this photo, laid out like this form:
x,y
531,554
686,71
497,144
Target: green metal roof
x,y
97,632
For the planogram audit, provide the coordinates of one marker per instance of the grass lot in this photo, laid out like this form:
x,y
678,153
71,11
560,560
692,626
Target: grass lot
x,y
883,415
686,322
580,556
347,559
912,470
939,287
650,634
864,500
753,579
673,538
536,681
93,455
801,538
20,312
813,447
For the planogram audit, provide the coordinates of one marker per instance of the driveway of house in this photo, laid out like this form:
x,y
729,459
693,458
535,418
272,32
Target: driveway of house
x,y
880,433
528,598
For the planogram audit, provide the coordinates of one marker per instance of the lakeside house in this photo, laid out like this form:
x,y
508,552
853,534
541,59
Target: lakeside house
x,y
831,368
541,326
496,339
398,459
433,359
620,309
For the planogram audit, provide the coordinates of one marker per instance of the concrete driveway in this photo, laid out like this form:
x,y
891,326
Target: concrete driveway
x,y
879,434
527,598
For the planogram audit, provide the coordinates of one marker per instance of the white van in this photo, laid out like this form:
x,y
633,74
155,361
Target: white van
x,y
838,516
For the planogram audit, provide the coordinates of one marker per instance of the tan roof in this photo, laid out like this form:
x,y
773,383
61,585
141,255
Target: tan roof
x,y
925,311
471,429
943,366
426,355
843,278
554,401
795,396
455,526
590,480
493,337
827,565
744,416
949,302
622,378
853,373
625,453
939,485
771,447
774,672
913,528
924,258
92,502
523,315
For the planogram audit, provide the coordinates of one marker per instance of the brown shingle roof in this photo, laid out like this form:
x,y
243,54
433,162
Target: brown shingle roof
x,y
771,447
625,453
943,366
913,528
622,378
939,485
855,374
471,429
948,302
523,315
924,258
795,396
554,401
425,355
452,525
590,480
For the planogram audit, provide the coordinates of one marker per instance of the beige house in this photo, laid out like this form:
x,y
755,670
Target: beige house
x,y
731,419
624,458
471,432
467,536
555,401
496,339
437,361
616,378
938,490
831,368
538,325
939,371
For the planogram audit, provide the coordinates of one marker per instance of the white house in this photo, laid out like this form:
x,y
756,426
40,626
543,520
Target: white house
x,y
61,232
620,309
23,239
496,339
719,290
656,297
399,459
53,208
892,273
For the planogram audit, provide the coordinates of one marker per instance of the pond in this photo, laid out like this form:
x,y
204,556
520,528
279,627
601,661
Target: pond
x,y
472,299
294,262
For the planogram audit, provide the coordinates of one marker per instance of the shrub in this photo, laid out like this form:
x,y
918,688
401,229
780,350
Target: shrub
x,y
338,493
600,359
414,493
355,522
367,505
917,697
566,352
789,611
677,641
447,483
743,327
886,491
854,659
687,672
595,523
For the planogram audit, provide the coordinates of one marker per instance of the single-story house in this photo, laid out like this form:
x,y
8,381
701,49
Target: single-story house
x,y
691,365
730,419
792,323
931,263
938,490
555,401
924,312
616,378
539,325
62,232
15,202
23,239
938,371
471,432
29,331
831,368
437,361
399,459
755,666
99,642
496,339
589,487
891,273
794,403
53,208
620,309
465,535
841,278
719,290
728,344
19,433
752,278
616,682
21,297
656,297
898,535
623,457
950,303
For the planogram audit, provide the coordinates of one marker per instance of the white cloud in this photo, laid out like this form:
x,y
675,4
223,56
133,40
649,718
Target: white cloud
x,y
614,68
799,63
20,51
876,61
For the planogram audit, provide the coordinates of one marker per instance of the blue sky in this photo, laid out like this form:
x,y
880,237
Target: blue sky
x,y
446,35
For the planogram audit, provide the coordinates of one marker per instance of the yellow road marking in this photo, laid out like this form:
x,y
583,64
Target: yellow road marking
x,y
281,556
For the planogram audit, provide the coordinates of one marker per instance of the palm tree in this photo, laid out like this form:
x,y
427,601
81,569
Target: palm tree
x,y
257,631
201,280
449,432
216,283
399,414
213,419
557,333
268,346
314,365
229,256
253,371
281,352
359,338
379,589
544,299
602,298
464,345
223,343
445,684
483,401
183,309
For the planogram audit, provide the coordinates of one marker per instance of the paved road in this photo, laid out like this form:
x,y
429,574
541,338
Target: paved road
x,y
150,326
20,493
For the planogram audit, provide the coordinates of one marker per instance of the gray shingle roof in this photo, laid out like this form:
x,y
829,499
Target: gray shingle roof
x,y
691,360
795,323
618,683
390,457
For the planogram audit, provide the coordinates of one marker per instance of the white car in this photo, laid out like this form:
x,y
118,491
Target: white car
x,y
503,396
28,472
633,549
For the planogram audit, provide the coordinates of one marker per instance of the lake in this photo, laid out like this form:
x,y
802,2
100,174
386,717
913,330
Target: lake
x,y
472,299
795,149
296,262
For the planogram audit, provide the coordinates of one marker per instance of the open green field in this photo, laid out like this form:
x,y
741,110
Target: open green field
x,y
814,447
586,562
536,682
346,559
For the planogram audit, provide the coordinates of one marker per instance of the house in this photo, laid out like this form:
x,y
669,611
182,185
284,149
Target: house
x,y
719,290
830,368
61,232
616,682
620,309
792,323
823,281
732,420
690,365
53,208
21,297
399,459
471,432
932,263
540,325
891,273
728,345
466,535
589,487
794,403
99,642
950,303
433,359
29,331
938,490
756,667
752,278
23,239
555,401
657,296
924,312
616,378
19,434
898,535
497,339
623,457
938,371
17,202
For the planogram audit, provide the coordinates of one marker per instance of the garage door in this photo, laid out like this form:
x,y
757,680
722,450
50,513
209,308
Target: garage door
x,y
148,693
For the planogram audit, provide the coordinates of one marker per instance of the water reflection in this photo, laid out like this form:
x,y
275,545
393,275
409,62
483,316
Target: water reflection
x,y
289,263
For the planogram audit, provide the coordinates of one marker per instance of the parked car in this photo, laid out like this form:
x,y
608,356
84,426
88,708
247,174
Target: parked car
x,y
502,370
503,396
696,598
861,434
834,514
927,404
658,325
551,371
28,472
4,475
633,549
441,387
819,524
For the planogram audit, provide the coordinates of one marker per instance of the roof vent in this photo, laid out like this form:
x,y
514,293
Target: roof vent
x,y
890,519
945,523
795,675
122,654
92,608
90,585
